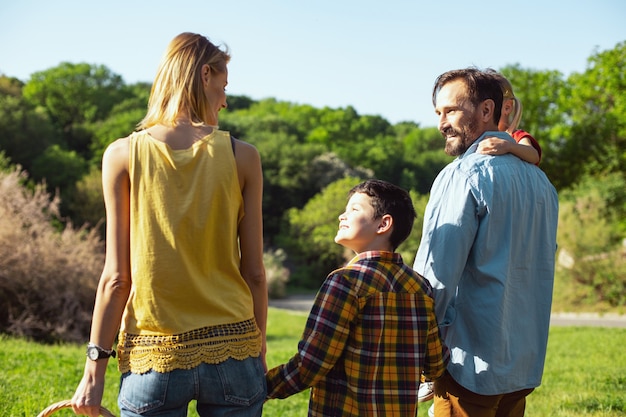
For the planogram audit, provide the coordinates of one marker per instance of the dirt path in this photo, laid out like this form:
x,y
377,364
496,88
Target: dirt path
x,y
304,302
588,319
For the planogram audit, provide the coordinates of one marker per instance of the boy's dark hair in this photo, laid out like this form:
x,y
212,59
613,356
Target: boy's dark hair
x,y
390,199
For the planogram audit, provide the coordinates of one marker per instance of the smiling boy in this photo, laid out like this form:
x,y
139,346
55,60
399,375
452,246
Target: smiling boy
x,y
372,329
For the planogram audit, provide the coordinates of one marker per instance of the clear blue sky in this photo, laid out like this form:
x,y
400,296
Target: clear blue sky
x,y
381,57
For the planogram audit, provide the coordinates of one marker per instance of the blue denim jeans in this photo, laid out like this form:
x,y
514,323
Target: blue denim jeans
x,y
231,388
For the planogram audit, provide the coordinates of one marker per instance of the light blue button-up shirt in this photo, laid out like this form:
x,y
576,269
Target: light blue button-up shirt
x,y
488,249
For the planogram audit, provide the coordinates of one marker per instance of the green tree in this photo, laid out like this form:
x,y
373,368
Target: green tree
x,y
24,130
239,103
308,237
59,168
424,156
597,109
287,178
118,125
121,121
73,95
269,116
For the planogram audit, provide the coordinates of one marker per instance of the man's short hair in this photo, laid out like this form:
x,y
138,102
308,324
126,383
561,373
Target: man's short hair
x,y
481,86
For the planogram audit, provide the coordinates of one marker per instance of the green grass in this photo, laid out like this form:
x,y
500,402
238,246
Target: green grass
x,y
585,373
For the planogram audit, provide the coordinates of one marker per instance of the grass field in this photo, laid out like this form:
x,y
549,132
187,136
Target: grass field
x,y
585,373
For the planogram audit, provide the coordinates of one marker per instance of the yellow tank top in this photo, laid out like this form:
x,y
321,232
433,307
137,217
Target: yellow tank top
x,y
188,302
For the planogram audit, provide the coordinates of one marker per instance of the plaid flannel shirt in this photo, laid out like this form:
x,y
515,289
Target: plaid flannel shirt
x,y
370,334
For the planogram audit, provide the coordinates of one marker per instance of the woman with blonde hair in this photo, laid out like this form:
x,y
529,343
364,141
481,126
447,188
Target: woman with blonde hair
x,y
183,281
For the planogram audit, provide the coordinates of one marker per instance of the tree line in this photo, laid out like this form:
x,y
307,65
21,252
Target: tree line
x,y
55,127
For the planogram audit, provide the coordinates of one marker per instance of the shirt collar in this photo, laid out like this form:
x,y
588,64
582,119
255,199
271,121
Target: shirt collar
x,y
377,255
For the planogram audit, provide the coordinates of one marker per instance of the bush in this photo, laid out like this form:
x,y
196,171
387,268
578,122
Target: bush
x,y
86,203
277,274
592,257
48,274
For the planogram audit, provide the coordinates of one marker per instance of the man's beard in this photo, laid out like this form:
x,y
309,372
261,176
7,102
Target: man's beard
x,y
464,138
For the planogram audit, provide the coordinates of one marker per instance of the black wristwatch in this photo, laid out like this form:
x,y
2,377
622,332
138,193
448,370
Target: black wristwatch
x,y
95,352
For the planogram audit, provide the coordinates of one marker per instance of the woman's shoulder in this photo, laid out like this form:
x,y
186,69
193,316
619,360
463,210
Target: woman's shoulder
x,y
119,145
245,146
117,152
244,151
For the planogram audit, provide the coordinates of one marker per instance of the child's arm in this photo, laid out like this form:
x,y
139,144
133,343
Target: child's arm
x,y
438,354
323,340
522,149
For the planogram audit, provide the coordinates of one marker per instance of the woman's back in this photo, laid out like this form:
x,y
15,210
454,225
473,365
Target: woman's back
x,y
185,207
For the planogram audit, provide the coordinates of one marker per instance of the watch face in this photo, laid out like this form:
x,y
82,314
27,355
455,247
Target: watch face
x,y
93,353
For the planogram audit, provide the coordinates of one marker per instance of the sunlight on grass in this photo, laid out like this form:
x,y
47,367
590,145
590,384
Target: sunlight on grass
x,y
585,373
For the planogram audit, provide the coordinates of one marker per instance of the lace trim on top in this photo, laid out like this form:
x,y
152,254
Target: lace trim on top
x,y
214,344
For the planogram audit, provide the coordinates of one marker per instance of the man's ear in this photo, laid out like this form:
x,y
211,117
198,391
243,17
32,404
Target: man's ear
x,y
486,110
385,223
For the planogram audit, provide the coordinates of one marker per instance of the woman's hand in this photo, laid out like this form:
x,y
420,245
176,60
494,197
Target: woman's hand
x,y
88,396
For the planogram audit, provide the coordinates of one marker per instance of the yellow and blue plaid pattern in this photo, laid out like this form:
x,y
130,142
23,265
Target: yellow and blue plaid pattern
x,y
369,336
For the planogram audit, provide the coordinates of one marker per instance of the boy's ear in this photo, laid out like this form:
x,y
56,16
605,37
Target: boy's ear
x,y
385,224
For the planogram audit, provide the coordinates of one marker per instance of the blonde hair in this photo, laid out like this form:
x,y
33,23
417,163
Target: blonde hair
x,y
507,91
178,88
